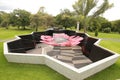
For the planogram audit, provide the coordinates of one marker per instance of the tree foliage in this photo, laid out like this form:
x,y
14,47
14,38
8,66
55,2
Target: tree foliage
x,y
84,7
4,19
20,18
116,26
35,21
106,25
44,20
65,19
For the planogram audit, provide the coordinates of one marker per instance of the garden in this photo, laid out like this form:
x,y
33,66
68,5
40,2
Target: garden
x,y
24,22
41,72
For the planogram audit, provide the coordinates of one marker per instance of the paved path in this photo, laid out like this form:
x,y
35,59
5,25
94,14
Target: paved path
x,y
112,39
3,40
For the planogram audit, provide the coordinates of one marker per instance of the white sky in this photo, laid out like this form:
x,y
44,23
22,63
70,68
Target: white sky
x,y
53,6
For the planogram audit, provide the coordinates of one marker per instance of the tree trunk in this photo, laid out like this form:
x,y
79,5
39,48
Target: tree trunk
x,y
78,27
85,31
18,27
84,25
36,29
6,26
24,28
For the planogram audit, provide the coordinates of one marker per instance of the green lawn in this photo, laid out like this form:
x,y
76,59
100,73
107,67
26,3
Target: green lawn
x,y
106,35
14,71
112,45
11,33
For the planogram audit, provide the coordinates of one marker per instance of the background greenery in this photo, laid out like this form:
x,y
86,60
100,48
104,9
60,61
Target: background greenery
x,y
23,19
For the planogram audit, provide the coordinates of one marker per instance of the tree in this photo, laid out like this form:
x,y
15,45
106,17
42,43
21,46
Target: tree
x,y
35,21
0,17
41,19
48,20
116,26
65,18
20,18
84,7
94,25
4,19
106,25
41,10
97,23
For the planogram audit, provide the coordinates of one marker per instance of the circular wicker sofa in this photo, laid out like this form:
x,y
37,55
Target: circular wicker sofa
x,y
17,50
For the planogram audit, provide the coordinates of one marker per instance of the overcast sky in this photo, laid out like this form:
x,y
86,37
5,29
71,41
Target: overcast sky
x,y
53,6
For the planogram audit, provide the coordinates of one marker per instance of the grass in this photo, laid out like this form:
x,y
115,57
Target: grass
x,y
106,35
112,45
14,71
10,33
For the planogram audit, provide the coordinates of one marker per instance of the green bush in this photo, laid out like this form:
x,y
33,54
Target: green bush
x,y
90,29
107,30
96,33
119,31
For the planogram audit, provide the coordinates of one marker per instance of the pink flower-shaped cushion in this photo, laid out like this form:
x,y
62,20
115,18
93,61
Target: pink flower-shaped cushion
x,y
61,40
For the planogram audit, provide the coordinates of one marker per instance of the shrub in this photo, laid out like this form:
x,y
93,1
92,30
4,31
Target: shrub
x,y
96,33
90,29
119,31
107,30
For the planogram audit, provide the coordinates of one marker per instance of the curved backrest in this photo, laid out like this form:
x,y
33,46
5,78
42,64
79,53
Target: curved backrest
x,y
20,46
37,36
98,53
88,45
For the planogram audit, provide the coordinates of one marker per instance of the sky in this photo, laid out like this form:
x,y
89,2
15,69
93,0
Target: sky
x,y
53,6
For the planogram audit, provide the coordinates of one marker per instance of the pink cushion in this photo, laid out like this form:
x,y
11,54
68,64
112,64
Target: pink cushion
x,y
61,39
